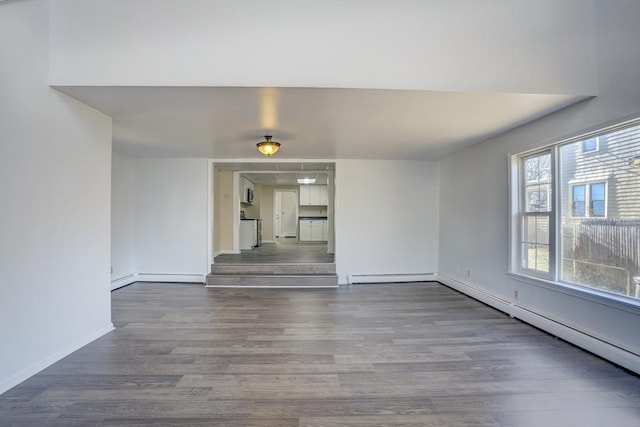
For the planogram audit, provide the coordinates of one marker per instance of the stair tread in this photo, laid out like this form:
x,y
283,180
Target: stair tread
x,y
271,275
276,280
274,270
273,263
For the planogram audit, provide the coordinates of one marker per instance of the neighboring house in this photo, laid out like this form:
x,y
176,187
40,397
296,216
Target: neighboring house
x,y
600,211
599,179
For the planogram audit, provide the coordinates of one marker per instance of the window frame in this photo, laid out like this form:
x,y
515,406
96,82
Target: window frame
x,y
523,214
584,201
553,280
604,201
594,150
588,200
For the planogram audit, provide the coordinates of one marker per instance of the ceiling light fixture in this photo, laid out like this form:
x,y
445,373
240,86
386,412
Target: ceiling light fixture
x,y
268,147
306,180
635,161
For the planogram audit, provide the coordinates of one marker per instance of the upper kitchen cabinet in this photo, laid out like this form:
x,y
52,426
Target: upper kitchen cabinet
x,y
247,188
314,195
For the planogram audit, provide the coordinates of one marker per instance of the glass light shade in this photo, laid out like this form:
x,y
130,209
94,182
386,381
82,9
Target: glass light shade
x,y
268,147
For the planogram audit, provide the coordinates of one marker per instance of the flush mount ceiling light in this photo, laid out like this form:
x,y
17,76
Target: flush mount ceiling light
x,y
268,147
306,180
635,161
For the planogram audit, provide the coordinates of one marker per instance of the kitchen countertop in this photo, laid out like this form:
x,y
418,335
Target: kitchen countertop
x,y
312,217
250,219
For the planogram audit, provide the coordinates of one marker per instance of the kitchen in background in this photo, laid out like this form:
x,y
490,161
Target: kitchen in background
x,y
312,213
257,212
250,220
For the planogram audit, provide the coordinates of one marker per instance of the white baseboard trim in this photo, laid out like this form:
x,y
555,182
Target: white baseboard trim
x,y
123,281
164,277
390,278
268,241
581,339
21,376
476,293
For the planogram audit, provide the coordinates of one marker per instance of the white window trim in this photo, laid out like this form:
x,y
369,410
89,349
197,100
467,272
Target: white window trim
x,y
513,185
595,150
587,195
520,214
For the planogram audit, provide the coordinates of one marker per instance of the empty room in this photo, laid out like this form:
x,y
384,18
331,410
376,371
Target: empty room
x,y
320,213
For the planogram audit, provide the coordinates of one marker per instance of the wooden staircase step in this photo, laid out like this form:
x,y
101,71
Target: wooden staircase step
x,y
272,280
274,269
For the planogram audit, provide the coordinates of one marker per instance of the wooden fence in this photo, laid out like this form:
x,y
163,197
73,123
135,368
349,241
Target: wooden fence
x,y
612,244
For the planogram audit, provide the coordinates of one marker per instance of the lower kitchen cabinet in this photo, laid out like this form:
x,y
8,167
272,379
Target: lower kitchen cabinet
x,y
325,230
313,230
248,234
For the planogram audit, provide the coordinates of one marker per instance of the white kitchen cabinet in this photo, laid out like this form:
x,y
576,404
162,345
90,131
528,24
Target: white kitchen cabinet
x,y
316,231
244,193
314,195
325,230
324,195
248,234
304,195
313,230
305,230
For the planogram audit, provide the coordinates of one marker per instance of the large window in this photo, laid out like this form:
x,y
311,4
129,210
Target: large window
x,y
577,211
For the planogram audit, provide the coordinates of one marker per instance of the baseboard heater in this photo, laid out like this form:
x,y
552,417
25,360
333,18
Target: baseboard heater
x,y
123,281
570,333
171,277
390,278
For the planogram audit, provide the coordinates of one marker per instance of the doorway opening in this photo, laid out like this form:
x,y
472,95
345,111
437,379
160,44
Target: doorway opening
x,y
276,202
285,215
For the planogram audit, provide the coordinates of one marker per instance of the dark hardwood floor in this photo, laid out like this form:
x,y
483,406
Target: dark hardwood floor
x,y
369,355
287,251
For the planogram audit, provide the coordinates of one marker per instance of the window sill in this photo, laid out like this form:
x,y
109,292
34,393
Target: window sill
x,y
618,302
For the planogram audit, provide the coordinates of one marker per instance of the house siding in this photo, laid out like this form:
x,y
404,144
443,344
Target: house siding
x,y
609,164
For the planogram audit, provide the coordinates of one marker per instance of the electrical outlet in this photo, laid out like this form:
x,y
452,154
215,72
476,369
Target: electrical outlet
x,y
468,273
112,269
515,294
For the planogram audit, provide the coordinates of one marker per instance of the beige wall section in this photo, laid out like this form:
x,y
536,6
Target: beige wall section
x,y
266,212
223,211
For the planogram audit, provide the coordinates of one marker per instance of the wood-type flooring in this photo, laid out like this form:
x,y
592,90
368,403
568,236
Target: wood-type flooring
x,y
369,355
288,251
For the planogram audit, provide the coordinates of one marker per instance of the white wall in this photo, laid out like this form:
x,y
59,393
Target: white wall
x,y
474,203
122,220
386,218
171,218
55,179
332,41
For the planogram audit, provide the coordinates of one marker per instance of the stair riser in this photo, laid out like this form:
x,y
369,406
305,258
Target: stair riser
x,y
273,269
272,281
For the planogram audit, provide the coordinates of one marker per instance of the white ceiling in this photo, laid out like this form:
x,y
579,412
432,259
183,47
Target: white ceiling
x,y
328,79
280,173
226,123
286,178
